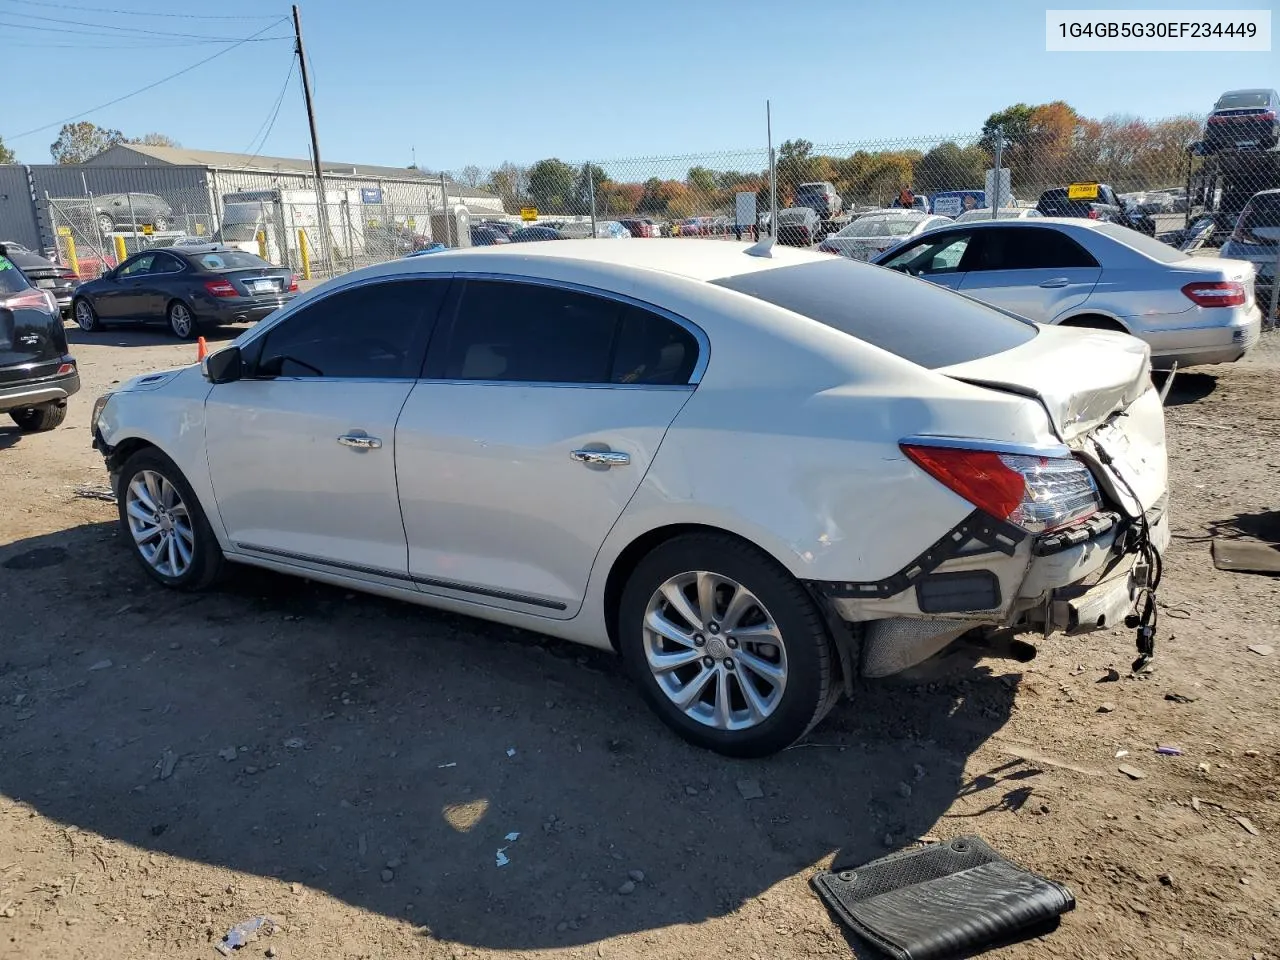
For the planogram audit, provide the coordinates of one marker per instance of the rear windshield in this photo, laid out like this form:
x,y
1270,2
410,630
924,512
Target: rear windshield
x,y
1239,101
1147,246
11,278
229,260
237,232
894,227
910,318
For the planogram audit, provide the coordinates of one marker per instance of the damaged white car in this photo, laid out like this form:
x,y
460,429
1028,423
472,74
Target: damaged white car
x,y
754,476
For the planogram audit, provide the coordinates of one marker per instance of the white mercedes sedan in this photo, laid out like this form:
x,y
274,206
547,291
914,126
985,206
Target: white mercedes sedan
x,y
756,474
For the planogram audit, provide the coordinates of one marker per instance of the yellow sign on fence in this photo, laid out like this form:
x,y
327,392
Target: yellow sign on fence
x,y
148,229
1082,191
64,231
528,213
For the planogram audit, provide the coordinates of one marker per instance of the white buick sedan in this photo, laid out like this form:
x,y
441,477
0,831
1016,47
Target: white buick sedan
x,y
756,477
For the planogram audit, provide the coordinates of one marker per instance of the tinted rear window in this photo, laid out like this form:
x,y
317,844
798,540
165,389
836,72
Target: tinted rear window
x,y
11,278
1147,246
228,260
1263,211
1239,101
910,318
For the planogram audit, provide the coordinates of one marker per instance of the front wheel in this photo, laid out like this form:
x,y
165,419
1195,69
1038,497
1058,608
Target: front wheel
x,y
38,419
727,647
86,316
105,224
165,525
181,321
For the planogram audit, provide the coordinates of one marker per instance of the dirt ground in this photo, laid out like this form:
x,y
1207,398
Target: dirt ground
x,y
171,765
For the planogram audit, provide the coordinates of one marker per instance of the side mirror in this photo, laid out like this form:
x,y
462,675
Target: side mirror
x,y
225,366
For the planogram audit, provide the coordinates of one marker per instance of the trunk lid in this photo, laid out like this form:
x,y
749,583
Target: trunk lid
x,y
32,339
1096,387
258,281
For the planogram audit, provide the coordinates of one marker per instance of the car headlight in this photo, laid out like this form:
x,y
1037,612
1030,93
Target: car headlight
x,y
99,405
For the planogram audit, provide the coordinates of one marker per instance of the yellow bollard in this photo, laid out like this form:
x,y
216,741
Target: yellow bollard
x,y
72,260
304,254
121,253
262,244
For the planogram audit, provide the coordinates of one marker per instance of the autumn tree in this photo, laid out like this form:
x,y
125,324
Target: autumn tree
x,y
77,142
470,175
155,140
511,183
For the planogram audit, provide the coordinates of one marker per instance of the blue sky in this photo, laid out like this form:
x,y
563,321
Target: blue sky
x,y
508,80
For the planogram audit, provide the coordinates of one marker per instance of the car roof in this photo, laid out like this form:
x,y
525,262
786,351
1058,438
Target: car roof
x,y
693,259
1053,222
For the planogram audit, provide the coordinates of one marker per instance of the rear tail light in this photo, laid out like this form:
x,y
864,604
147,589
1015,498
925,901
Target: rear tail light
x,y
1227,293
1269,116
1037,494
221,288
293,283
1092,214
66,368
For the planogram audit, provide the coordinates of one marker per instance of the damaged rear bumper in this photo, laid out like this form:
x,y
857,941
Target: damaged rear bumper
x,y
990,576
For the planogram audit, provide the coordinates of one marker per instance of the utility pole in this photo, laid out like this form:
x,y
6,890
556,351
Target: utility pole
x,y
322,206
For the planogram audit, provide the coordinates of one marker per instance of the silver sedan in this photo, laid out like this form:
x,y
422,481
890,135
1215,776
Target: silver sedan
x,y
1090,273
879,230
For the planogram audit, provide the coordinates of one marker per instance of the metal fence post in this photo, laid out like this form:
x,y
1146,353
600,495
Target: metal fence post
x,y
448,219
1275,295
995,179
132,219
591,195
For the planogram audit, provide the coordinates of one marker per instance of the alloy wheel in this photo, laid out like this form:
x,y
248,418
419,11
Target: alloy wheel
x,y
159,523
715,651
180,320
84,315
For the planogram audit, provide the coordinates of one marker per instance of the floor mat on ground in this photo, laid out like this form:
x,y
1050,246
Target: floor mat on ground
x,y
942,901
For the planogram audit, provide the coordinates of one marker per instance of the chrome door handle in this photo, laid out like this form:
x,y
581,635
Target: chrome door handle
x,y
359,442
603,458
1055,282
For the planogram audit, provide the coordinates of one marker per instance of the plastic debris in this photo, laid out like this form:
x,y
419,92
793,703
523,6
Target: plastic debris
x,y
511,751
502,859
750,789
244,933
443,766
1121,753
512,837
1169,751
1179,698
101,665
168,760
1112,675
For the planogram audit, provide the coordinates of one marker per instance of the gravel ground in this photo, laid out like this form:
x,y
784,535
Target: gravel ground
x,y
171,765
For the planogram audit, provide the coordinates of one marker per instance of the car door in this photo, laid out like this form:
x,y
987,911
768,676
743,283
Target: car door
x,y
1033,271
119,298
157,286
302,449
936,257
538,417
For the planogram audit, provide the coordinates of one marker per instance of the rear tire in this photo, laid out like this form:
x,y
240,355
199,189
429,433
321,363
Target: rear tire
x,y
748,677
155,500
182,322
38,419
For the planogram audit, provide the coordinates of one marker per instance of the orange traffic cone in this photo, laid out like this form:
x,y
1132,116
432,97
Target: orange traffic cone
x,y
202,349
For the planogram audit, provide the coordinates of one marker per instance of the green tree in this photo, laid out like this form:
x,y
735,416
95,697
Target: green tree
x,y
551,185
155,140
701,180
651,200
6,155
77,142
950,167
511,183
583,187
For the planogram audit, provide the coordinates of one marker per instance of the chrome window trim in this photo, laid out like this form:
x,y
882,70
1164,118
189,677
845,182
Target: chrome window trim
x,y
992,446
699,335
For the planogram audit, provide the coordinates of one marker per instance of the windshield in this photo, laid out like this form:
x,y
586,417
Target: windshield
x,y
1147,246
237,232
11,278
1242,100
889,227
230,260
1007,214
915,320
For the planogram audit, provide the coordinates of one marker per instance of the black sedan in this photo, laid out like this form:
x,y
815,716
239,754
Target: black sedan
x,y
43,273
186,288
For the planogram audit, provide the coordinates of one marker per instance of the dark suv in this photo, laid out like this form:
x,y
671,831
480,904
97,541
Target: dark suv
x,y
1102,205
37,374
821,198
1244,120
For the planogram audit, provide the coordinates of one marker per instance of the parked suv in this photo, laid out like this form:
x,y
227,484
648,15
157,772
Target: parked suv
x,y
120,211
1094,201
821,198
37,374
1257,239
1244,119
43,273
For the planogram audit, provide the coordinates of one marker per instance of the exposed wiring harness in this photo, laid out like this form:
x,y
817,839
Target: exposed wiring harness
x,y
1145,617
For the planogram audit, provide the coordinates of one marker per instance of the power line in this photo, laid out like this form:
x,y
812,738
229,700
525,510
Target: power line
x,y
139,13
261,138
141,45
97,27
149,86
